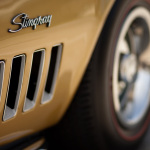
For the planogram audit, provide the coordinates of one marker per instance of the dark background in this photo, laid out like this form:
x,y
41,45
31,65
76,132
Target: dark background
x,y
145,145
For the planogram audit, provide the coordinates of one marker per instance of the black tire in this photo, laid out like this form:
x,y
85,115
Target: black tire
x,y
91,122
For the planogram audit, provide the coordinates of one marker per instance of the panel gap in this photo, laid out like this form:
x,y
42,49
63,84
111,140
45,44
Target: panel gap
x,y
2,67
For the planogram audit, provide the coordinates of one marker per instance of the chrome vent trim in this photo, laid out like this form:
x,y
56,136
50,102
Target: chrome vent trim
x,y
30,102
11,112
16,76
54,64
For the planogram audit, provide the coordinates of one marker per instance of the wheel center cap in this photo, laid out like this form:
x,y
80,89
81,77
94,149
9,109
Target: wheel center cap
x,y
128,67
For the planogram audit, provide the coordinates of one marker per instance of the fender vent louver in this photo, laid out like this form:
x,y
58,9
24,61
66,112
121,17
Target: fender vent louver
x,y
11,99
52,73
34,81
14,87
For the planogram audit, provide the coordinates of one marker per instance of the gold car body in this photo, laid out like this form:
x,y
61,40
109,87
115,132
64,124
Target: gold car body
x,y
76,25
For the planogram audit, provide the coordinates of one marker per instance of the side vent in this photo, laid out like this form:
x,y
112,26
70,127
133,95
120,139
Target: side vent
x,y
14,87
34,81
52,73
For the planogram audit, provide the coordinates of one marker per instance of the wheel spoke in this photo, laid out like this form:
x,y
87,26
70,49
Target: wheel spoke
x,y
123,47
132,41
127,95
121,87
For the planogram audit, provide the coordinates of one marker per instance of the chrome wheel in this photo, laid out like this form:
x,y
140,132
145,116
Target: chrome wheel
x,y
131,70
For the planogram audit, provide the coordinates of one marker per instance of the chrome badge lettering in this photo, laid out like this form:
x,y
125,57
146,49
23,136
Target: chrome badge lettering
x,y
26,22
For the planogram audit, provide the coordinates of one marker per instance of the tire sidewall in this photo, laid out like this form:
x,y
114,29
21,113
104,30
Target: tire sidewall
x,y
112,126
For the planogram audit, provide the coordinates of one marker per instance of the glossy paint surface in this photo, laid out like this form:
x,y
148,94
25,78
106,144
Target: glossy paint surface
x,y
77,25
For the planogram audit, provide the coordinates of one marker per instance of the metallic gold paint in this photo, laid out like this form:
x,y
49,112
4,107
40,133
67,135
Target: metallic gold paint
x,y
76,24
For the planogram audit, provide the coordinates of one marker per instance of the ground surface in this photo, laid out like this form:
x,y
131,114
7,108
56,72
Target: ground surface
x,y
145,145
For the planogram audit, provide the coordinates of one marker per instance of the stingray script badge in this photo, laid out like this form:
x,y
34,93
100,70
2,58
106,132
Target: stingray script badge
x,y
27,22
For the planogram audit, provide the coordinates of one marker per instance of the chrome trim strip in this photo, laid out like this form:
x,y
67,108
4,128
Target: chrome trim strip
x,y
8,112
28,104
46,97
